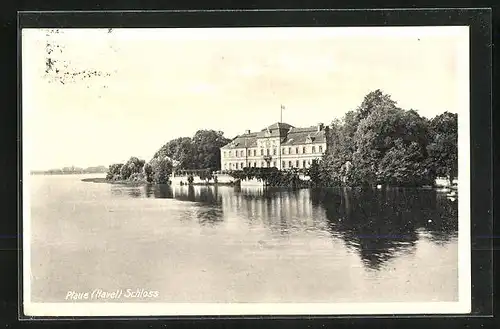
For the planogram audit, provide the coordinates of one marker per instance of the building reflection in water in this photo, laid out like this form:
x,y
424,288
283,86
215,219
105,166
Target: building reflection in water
x,y
377,224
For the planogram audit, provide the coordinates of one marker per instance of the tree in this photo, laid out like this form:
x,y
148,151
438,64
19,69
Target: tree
x,y
314,173
384,128
132,166
162,169
340,149
114,171
373,141
373,101
179,149
206,145
148,172
200,152
443,147
404,165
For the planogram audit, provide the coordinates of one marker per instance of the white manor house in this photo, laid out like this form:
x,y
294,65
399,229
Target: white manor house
x,y
280,145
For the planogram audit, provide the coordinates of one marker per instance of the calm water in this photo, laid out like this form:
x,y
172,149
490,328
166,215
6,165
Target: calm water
x,y
225,244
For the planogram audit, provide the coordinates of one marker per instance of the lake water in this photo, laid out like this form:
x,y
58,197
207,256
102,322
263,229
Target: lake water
x,y
226,244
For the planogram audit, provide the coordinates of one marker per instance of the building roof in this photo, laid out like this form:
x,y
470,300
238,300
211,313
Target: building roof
x,y
242,141
290,136
309,135
278,125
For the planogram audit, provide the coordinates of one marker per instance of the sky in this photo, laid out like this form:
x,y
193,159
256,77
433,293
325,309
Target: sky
x,y
168,83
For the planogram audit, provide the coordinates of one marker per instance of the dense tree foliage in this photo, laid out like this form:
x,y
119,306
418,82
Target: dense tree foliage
x,y
314,173
202,151
114,171
148,172
132,167
137,170
179,149
162,168
380,143
443,145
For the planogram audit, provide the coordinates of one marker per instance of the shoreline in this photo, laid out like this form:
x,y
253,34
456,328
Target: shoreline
x,y
101,180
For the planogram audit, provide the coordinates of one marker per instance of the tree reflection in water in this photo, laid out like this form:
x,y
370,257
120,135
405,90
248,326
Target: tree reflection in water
x,y
206,199
377,224
382,224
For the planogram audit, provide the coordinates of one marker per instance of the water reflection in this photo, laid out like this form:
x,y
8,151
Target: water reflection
x,y
383,224
378,225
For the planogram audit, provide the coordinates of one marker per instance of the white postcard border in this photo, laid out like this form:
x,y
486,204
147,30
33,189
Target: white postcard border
x,y
463,305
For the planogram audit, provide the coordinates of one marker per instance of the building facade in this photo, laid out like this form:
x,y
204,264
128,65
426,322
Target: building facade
x,y
280,145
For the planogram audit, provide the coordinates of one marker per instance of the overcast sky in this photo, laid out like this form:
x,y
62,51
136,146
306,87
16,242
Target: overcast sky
x,y
167,83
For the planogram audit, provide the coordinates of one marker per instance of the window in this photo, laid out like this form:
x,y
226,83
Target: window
x,y
254,152
262,164
289,164
274,163
274,151
313,149
289,150
303,163
296,150
225,165
304,149
283,164
254,164
242,165
261,151
267,152
321,148
236,166
283,151
229,153
224,154
297,163
249,152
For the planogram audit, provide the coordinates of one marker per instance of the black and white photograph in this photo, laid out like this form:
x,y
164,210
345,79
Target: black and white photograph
x,y
246,171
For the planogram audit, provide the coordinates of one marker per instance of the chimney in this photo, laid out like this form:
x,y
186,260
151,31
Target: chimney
x,y
320,126
247,132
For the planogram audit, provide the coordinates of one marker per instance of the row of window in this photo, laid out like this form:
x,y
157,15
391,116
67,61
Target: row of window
x,y
241,153
291,164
